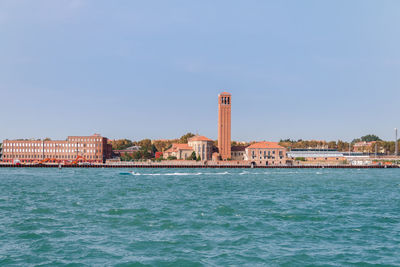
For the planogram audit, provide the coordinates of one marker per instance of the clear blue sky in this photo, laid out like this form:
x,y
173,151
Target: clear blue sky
x,y
135,69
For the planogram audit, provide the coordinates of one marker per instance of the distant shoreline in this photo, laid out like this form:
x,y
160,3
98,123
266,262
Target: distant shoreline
x,y
159,166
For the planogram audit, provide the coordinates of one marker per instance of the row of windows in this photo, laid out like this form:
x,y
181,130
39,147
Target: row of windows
x,y
265,155
280,162
269,157
9,150
225,100
22,156
49,145
90,139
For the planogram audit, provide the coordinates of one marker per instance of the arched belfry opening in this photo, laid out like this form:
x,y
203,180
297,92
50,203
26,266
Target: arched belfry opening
x,y
224,125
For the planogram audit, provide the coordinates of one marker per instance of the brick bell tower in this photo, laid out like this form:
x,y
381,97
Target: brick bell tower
x,y
224,125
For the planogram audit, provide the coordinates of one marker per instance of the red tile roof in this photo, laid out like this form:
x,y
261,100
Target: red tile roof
x,y
265,144
199,138
176,147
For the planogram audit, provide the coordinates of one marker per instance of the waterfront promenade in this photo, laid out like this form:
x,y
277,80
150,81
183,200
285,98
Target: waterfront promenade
x,y
195,165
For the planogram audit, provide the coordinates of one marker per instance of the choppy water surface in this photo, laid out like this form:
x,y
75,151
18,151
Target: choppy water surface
x,y
181,217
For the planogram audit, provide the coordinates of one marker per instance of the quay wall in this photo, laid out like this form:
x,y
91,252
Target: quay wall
x,y
154,165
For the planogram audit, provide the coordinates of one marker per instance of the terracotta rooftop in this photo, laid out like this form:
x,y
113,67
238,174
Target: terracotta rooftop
x,y
199,138
238,148
224,93
176,147
265,144
364,143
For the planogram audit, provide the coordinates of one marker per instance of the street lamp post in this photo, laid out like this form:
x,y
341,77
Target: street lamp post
x,y
396,145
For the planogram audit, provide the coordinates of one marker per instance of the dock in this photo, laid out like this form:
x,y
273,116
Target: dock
x,y
174,166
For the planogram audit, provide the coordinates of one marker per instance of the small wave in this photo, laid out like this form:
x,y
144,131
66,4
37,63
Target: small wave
x,y
216,173
182,174
174,173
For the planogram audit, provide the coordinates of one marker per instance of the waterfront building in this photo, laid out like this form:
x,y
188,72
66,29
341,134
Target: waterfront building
x,y
365,147
238,153
266,153
224,125
92,148
180,151
316,155
202,145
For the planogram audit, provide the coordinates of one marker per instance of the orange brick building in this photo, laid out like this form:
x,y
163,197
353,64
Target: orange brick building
x,y
92,148
224,125
180,151
363,146
266,153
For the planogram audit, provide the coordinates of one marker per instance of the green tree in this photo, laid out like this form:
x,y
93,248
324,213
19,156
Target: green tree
x,y
184,138
137,155
192,156
370,138
168,147
126,157
146,154
153,149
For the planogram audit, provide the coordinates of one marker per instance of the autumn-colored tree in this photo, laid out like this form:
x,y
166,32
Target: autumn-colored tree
x,y
342,146
184,138
162,145
121,144
145,143
332,145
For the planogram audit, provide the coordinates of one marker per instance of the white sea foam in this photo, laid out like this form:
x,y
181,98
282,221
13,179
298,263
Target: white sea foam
x,y
166,174
182,174
178,173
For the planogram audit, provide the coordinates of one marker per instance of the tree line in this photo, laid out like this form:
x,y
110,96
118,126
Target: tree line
x,y
387,146
148,148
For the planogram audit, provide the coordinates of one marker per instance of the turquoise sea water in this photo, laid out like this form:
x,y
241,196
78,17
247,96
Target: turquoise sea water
x,y
199,217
